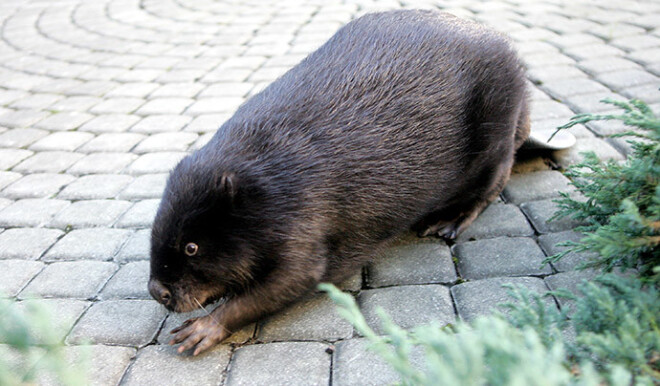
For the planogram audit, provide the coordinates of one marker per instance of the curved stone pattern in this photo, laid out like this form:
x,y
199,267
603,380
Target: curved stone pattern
x,y
100,98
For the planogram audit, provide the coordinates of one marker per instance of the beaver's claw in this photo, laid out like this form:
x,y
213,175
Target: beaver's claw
x,y
200,333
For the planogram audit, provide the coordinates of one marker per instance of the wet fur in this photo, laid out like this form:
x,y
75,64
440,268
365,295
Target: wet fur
x,y
404,119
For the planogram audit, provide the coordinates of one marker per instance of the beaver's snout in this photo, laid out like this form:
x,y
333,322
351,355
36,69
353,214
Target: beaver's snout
x,y
159,292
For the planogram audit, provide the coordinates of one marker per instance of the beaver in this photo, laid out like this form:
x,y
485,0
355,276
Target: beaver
x,y
401,120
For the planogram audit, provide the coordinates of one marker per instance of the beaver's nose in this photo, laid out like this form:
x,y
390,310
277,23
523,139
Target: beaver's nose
x,y
159,292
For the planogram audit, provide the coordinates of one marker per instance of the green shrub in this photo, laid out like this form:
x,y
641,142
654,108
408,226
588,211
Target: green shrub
x,y
30,349
622,207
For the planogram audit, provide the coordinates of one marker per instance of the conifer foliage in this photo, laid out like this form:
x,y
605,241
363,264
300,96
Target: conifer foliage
x,y
622,207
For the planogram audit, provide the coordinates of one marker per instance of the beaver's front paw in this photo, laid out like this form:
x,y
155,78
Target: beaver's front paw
x,y
201,333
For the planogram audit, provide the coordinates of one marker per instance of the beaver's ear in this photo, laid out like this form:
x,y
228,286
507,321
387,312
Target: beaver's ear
x,y
227,185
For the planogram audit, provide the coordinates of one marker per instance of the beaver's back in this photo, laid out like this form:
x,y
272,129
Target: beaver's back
x,y
394,114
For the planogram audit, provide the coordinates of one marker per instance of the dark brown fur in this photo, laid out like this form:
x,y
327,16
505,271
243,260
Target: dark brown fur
x,y
405,119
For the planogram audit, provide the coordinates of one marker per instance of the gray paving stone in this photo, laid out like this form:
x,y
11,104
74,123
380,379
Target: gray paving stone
x,y
174,320
140,215
498,220
353,364
590,103
183,89
134,89
240,89
137,247
102,163
146,186
201,141
535,186
70,279
20,137
92,88
119,105
207,123
647,93
412,261
180,76
22,118
40,185
76,103
593,51
530,47
158,162
543,75
569,281
504,256
63,314
48,162
119,322
250,62
164,106
550,110
541,59
92,244
106,364
162,365
312,319
564,88
575,39
482,297
408,306
199,63
646,56
214,105
65,141
165,142
636,42
285,363
611,31
226,75
90,213
604,128
161,124
5,202
63,121
110,123
112,142
11,157
138,75
603,150
8,96
130,282
16,274
30,212
569,262
627,78
35,101
95,186
539,212
27,243
598,65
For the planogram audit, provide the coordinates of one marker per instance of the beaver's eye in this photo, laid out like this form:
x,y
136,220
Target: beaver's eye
x,y
191,249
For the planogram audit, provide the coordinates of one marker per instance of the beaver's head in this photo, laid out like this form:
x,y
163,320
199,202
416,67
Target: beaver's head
x,y
203,243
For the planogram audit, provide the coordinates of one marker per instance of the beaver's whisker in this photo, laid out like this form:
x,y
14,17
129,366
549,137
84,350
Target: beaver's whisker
x,y
211,316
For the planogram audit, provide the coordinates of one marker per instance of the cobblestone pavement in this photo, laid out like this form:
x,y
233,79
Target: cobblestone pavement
x,y
99,99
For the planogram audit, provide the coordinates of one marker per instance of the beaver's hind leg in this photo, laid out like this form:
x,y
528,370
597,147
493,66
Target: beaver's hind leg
x,y
452,223
449,224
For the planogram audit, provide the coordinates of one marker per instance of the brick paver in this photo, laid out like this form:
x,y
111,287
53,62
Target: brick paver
x,y
99,99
